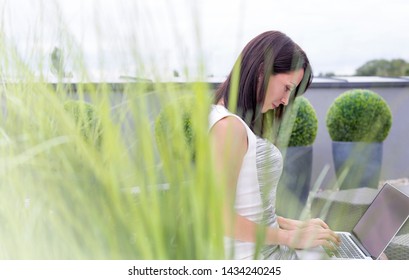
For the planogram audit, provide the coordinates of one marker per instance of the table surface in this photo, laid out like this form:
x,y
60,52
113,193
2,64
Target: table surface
x,y
355,196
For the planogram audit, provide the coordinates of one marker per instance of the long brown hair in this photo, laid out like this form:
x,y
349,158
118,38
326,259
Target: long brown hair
x,y
269,53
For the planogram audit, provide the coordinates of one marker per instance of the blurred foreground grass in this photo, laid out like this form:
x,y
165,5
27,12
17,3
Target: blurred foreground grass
x,y
86,180
107,193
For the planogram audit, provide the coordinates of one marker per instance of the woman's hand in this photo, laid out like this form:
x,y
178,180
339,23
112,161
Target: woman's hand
x,y
313,222
290,224
306,234
312,234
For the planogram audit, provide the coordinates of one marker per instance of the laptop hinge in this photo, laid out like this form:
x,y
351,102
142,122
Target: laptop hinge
x,y
359,244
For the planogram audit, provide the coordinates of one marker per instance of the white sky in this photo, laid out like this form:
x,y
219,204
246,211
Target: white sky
x,y
158,36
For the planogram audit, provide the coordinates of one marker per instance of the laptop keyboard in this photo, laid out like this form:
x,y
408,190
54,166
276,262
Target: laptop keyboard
x,y
346,249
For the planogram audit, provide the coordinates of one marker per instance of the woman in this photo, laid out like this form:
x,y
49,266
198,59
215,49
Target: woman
x,y
273,70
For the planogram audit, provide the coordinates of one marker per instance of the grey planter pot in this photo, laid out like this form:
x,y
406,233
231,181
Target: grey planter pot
x,y
357,164
295,182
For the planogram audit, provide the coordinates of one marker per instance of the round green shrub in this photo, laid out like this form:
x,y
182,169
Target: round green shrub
x,y
299,126
86,119
359,115
173,129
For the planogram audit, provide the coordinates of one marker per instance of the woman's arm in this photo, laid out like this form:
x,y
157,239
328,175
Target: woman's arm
x,y
229,143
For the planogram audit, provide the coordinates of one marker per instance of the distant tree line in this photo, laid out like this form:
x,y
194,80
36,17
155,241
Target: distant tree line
x,y
379,67
385,68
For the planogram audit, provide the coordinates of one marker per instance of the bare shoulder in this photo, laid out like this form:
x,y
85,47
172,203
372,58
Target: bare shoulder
x,y
230,133
229,125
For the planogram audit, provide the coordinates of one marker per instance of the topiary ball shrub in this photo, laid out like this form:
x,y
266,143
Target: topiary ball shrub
x,y
173,130
299,126
86,119
359,115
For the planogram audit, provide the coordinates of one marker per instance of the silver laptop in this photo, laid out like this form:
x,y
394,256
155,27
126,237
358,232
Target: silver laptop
x,y
383,219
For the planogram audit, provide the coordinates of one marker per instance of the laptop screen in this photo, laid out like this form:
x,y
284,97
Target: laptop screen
x,y
382,220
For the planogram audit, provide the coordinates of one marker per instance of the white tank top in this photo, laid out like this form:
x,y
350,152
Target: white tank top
x,y
255,192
